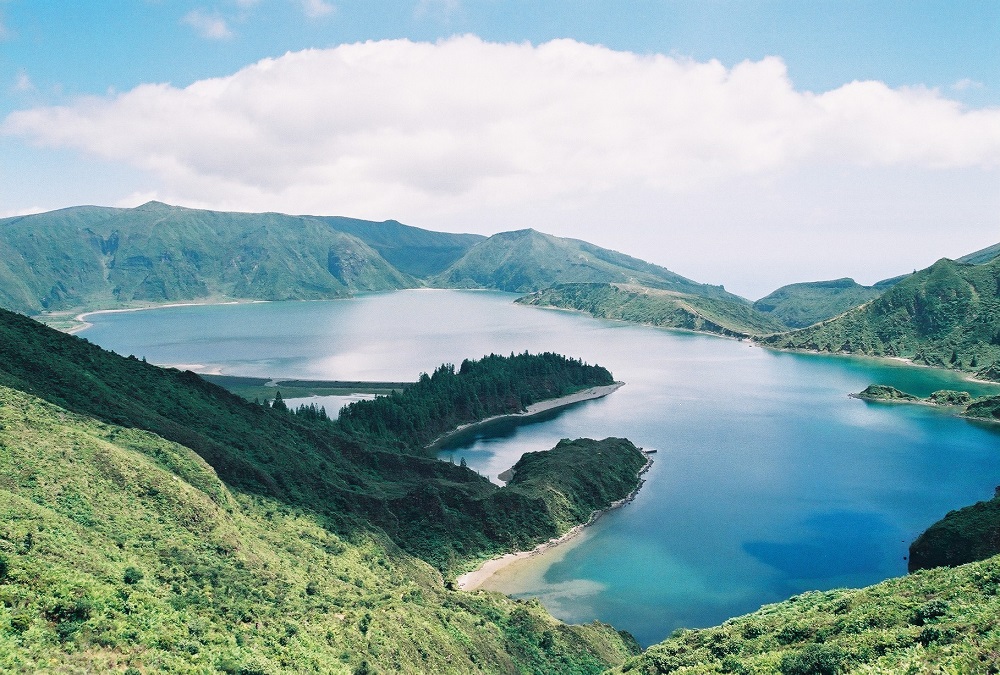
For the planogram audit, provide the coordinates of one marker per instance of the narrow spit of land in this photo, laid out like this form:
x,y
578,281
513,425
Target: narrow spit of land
x,y
533,409
470,581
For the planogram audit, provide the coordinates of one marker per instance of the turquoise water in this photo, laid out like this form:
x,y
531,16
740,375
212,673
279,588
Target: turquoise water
x,y
768,479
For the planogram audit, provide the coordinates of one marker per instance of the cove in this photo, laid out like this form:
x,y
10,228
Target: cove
x,y
768,479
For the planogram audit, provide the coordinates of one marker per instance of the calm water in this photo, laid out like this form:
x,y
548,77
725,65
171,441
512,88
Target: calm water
x,y
768,479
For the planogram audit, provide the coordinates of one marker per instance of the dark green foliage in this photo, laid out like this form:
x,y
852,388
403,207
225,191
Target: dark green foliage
x,y
132,576
814,659
950,397
803,304
724,314
440,402
346,474
883,392
987,408
947,315
966,535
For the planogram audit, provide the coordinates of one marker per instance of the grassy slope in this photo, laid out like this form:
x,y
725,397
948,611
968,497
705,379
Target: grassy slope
x,y
525,260
119,549
803,304
947,315
658,308
934,621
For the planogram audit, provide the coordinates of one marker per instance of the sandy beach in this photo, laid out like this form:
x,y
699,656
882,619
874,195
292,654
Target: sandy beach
x,y
470,581
84,324
534,409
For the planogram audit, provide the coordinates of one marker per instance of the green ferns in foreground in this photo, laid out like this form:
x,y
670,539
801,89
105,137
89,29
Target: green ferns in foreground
x,y
934,621
123,552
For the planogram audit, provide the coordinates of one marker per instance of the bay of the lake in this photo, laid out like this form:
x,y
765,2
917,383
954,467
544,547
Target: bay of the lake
x,y
768,480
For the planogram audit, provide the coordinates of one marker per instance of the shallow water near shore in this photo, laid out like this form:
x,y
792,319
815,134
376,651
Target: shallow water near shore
x,y
768,480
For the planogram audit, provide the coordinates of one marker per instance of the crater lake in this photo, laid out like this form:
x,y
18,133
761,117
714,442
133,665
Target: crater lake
x,y
768,479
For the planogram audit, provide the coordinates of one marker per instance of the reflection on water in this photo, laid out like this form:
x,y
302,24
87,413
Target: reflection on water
x,y
769,480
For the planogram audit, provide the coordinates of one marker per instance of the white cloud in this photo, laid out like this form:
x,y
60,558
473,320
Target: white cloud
x,y
315,9
967,83
465,134
211,26
23,83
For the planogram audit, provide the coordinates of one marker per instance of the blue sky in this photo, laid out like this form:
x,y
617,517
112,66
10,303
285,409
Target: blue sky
x,y
59,54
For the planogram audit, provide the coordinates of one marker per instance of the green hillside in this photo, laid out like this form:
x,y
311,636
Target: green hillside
x,y
934,621
123,552
93,257
947,315
801,305
411,250
982,256
437,511
525,260
670,309
965,535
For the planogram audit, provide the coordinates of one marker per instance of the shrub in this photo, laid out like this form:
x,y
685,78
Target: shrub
x,y
815,659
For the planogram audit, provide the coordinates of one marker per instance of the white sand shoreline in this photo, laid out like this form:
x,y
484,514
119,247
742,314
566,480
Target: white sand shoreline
x,y
84,324
534,409
470,581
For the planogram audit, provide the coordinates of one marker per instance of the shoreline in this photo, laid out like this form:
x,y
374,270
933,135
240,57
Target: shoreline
x,y
472,580
532,410
84,324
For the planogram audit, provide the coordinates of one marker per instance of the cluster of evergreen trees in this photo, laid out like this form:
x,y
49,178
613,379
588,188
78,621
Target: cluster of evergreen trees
x,y
493,385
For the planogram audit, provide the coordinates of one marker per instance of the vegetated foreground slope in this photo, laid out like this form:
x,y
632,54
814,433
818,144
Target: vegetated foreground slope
x,y
121,551
94,257
803,304
934,621
947,315
437,511
670,309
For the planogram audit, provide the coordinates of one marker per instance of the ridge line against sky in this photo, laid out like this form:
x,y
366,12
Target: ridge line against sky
x,y
750,144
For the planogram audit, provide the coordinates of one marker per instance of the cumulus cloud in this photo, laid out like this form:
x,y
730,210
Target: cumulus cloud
x,y
211,26
464,130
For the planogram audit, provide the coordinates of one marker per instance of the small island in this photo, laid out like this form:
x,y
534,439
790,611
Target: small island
x,y
983,408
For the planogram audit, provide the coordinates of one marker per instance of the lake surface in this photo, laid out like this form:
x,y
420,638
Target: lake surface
x,y
768,480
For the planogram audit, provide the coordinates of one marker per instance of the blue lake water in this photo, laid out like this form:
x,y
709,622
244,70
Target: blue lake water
x,y
768,479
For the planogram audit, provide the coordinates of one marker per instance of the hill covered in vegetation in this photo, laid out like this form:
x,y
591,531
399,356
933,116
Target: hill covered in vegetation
x,y
657,307
947,315
121,551
435,510
934,621
803,304
526,260
88,257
